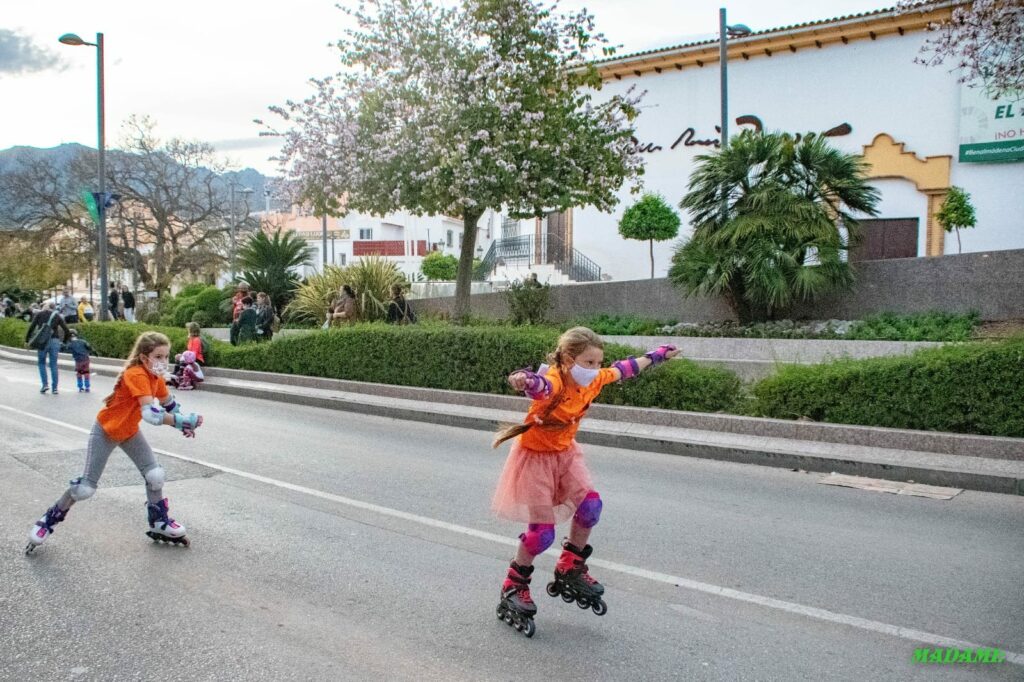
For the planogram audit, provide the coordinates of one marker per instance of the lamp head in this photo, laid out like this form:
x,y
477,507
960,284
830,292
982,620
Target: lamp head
x,y
71,39
738,31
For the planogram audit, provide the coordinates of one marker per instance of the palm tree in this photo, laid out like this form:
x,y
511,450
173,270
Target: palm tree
x,y
268,262
769,215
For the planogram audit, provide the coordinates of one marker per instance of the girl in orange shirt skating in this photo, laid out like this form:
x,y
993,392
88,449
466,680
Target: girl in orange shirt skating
x,y
545,480
139,394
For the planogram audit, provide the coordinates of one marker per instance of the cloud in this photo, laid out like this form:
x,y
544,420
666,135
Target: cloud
x,y
18,54
246,143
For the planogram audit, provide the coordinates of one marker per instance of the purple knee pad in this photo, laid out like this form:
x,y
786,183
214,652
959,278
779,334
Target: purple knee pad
x,y
589,511
538,537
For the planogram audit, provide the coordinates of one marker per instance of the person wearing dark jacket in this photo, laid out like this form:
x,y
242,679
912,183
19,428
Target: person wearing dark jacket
x,y
399,310
48,317
246,323
80,350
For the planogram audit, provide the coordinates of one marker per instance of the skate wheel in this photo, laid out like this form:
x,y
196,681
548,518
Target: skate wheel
x,y
29,548
518,625
552,590
600,608
501,612
508,617
583,603
530,628
568,598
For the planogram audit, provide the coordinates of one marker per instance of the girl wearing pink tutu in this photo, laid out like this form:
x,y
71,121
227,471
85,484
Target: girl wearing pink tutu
x,y
545,480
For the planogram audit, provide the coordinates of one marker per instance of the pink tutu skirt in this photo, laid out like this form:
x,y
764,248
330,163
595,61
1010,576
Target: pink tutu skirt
x,y
541,487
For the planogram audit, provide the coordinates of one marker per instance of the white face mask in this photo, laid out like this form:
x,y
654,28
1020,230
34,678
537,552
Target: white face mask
x,y
582,375
158,368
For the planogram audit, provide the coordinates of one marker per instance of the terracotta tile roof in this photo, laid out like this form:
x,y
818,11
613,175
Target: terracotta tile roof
x,y
777,29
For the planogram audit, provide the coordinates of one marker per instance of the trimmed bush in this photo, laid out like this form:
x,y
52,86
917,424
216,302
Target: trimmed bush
x,y
973,388
12,332
469,359
115,339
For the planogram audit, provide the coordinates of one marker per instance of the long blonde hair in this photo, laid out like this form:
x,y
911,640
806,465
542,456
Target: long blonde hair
x,y
145,344
571,344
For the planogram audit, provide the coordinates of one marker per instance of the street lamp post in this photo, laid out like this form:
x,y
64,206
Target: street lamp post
x,y
724,32
244,190
101,229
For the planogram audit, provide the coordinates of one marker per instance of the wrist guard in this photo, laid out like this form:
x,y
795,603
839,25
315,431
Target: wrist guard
x,y
188,423
153,414
172,405
657,356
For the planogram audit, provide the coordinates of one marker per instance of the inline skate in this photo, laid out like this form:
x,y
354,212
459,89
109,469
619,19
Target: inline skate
x,y
43,528
162,527
516,607
573,581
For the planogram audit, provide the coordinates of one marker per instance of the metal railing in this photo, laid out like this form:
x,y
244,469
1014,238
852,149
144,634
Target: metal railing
x,y
550,249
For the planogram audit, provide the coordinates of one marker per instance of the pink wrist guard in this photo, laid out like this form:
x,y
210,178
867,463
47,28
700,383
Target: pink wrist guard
x,y
628,368
657,356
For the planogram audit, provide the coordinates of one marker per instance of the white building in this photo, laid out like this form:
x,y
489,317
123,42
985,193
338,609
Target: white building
x,y
854,76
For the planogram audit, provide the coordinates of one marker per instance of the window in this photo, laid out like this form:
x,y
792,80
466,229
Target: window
x,y
340,259
451,237
366,233
509,228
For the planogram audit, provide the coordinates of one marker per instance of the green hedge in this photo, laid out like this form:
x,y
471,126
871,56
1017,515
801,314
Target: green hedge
x,y
12,332
972,388
469,359
115,339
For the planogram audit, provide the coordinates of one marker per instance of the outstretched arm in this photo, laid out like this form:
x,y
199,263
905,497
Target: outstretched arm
x,y
630,367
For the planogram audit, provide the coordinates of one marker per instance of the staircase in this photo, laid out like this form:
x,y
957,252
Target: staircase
x,y
527,252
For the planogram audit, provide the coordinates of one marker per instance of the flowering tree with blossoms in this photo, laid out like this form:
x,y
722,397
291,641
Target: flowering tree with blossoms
x,y
986,40
456,110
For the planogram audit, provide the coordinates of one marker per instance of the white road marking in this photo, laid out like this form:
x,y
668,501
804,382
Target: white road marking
x,y
938,641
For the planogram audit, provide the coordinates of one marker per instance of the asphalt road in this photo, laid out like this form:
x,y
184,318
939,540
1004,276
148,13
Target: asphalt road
x,y
329,545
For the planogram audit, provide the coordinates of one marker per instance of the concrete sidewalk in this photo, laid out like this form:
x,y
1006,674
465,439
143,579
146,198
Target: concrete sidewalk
x,y
972,462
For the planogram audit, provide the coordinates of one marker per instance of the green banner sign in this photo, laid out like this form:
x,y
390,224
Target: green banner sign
x,y
990,129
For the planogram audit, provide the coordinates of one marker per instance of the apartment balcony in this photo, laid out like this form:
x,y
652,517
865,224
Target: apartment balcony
x,y
394,247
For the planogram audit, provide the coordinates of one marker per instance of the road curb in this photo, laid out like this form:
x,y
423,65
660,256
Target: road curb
x,y
998,474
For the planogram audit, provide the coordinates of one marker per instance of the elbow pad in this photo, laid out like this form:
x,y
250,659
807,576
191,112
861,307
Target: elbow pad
x,y
628,368
153,414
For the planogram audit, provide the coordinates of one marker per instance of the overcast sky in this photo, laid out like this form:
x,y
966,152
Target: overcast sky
x,y
204,70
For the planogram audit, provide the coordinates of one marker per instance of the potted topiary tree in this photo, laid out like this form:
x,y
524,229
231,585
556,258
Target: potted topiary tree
x,y
652,219
956,212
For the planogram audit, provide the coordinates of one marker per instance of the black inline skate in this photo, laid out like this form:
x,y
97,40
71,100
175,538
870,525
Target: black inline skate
x,y
516,607
573,582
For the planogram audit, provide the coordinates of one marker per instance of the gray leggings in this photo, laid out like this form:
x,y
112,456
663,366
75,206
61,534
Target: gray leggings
x,y
100,447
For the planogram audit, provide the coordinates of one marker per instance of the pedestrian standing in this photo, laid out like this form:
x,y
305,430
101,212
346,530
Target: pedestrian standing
x,y
67,308
236,310
46,334
128,303
264,318
85,310
139,394
246,323
113,301
545,480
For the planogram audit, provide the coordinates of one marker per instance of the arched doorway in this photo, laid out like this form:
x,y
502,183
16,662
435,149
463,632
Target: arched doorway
x,y
931,176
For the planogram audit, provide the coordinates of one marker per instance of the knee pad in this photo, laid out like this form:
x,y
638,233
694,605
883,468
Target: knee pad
x,y
155,478
589,511
538,537
81,489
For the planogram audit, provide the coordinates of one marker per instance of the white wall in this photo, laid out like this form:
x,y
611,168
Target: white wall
x,y
872,85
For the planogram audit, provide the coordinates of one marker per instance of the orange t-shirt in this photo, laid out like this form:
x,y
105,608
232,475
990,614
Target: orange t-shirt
x,y
195,344
569,412
120,419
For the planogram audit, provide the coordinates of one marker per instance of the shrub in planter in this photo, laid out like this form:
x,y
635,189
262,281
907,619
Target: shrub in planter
x,y
12,332
528,302
971,388
469,359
